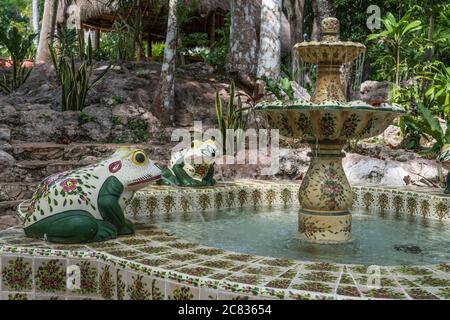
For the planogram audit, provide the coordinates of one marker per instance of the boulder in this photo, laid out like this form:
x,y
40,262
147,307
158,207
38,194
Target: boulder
x,y
375,92
6,160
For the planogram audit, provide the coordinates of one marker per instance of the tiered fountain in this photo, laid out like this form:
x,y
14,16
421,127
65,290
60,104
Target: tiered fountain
x,y
326,123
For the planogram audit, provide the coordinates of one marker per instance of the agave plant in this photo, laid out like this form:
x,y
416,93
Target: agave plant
x,y
19,48
235,117
73,77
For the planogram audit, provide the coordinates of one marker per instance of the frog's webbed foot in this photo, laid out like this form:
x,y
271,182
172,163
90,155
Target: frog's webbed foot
x,y
106,231
72,227
126,229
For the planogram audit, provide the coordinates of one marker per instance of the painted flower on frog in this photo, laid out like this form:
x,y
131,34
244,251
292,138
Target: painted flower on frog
x,y
69,185
31,207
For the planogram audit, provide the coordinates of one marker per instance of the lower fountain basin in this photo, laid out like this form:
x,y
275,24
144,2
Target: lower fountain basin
x,y
377,239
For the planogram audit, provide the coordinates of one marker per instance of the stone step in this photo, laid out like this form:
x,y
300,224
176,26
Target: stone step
x,y
10,191
46,151
30,171
9,207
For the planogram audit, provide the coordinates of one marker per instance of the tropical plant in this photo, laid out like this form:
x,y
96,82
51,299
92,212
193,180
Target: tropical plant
x,y
439,90
74,77
281,90
427,125
235,116
396,36
158,50
19,48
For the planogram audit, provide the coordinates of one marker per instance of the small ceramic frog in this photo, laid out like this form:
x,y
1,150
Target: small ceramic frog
x,y
87,204
444,159
193,167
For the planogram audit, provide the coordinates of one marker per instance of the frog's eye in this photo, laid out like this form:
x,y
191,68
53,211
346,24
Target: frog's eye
x,y
139,158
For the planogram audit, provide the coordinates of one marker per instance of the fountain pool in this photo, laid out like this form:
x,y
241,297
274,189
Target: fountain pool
x,y
377,239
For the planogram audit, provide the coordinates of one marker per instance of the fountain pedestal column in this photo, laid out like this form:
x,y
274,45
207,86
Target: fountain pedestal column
x,y
325,197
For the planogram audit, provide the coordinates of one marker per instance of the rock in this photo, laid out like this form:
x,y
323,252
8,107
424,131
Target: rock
x,y
71,125
7,221
5,133
375,92
300,92
94,131
38,123
6,159
5,146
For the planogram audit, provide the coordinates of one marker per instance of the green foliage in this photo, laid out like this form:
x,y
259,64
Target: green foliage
x,y
281,90
395,35
158,50
74,77
217,54
235,116
139,130
117,99
439,91
84,118
19,47
428,125
117,45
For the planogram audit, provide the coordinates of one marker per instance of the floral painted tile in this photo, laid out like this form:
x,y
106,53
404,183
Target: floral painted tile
x,y
433,281
350,291
138,287
279,283
196,271
88,276
176,291
107,281
265,271
313,287
319,276
17,273
420,294
50,275
383,293
322,266
413,271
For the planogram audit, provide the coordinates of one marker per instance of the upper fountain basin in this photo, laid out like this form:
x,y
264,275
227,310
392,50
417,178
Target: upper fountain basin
x,y
331,52
329,120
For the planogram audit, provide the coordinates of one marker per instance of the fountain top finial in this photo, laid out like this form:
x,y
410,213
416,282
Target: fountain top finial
x,y
330,28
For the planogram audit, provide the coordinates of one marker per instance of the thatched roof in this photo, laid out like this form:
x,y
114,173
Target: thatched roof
x,y
97,14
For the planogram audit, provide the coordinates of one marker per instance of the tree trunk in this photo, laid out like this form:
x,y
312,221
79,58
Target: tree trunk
x,y
269,60
322,9
47,30
243,47
295,10
165,99
35,15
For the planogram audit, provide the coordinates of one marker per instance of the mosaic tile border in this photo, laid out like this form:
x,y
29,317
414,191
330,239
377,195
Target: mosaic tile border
x,y
157,200
154,264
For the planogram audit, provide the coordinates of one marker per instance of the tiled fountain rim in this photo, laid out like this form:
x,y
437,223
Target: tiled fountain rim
x,y
226,286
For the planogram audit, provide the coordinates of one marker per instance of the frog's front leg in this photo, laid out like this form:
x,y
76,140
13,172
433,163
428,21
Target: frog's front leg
x,y
184,179
167,178
208,180
109,207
